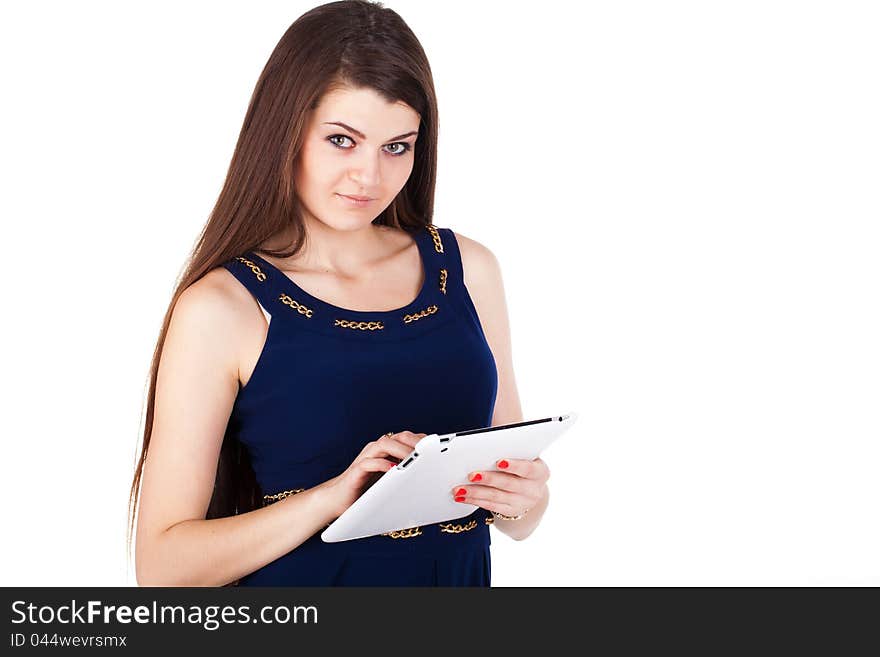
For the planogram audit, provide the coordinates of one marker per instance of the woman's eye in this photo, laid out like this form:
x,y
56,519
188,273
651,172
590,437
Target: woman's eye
x,y
332,137
404,147
398,152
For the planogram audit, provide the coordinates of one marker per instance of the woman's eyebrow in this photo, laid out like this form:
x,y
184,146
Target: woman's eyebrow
x,y
362,135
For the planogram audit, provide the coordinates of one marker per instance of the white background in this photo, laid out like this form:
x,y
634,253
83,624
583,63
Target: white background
x,y
683,197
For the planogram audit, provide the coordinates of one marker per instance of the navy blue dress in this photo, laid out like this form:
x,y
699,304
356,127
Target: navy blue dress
x,y
330,380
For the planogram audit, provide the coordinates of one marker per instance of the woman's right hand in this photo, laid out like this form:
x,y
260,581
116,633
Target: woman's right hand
x,y
377,456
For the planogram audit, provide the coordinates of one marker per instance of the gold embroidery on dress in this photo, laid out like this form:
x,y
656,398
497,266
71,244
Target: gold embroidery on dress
x,y
285,299
443,281
438,243
301,309
449,528
405,533
411,532
363,326
254,268
430,310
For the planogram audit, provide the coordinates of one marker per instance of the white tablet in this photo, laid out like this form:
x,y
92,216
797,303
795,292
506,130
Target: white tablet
x,y
418,490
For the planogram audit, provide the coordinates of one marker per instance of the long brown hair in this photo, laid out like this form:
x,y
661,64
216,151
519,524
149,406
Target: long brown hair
x,y
354,44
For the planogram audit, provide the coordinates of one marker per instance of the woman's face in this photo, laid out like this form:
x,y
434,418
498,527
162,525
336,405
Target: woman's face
x,y
371,157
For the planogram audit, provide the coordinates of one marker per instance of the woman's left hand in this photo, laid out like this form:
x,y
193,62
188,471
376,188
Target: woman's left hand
x,y
516,487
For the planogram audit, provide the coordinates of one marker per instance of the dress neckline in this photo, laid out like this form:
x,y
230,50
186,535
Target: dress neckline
x,y
304,297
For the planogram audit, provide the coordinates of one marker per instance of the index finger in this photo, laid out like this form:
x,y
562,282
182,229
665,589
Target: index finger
x,y
520,467
408,437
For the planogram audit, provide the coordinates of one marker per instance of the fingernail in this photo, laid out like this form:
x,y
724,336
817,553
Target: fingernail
x,y
459,499
503,464
460,491
476,477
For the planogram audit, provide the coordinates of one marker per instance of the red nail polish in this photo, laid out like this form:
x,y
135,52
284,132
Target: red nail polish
x,y
477,477
503,464
460,491
459,498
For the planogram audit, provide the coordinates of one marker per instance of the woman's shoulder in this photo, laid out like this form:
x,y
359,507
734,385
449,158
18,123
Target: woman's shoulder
x,y
219,299
218,310
479,263
218,292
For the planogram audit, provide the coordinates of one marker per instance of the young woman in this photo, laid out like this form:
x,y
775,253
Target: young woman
x,y
323,326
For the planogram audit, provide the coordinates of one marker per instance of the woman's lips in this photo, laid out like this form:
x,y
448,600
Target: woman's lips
x,y
355,201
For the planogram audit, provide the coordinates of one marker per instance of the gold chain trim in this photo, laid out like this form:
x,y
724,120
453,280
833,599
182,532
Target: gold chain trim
x,y
449,528
438,244
363,326
285,299
430,310
412,532
254,268
405,533
443,281
280,496
301,309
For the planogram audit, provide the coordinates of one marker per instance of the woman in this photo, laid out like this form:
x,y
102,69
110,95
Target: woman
x,y
322,327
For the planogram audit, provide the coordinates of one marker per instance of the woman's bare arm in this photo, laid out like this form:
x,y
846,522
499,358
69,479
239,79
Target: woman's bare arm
x,y
196,388
222,550
483,279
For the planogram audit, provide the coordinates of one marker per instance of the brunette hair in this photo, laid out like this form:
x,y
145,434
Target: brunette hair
x,y
348,44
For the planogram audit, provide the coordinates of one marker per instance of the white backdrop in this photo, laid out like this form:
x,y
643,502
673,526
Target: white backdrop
x,y
683,197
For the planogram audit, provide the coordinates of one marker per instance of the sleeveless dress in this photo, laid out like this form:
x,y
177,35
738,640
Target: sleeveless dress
x,y
330,380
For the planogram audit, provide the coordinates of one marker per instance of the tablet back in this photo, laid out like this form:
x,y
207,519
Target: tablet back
x,y
418,491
